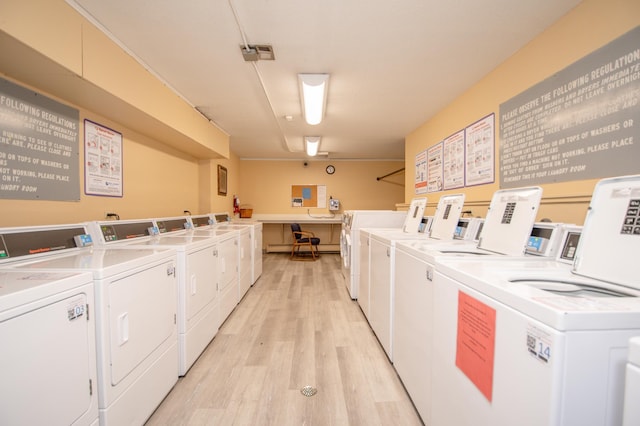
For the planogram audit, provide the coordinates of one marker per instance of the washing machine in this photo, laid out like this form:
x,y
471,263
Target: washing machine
x,y
48,356
136,341
382,261
352,221
412,320
533,343
413,312
197,270
631,416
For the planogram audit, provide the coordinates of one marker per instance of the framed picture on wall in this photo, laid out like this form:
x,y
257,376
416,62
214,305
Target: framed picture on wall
x,y
222,180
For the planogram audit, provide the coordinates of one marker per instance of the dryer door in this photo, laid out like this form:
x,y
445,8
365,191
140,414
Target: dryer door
x,y
47,356
142,308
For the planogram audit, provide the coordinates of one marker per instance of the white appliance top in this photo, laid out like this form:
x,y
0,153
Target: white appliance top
x,y
179,242
213,231
390,236
173,233
446,217
374,219
20,287
610,241
570,302
101,262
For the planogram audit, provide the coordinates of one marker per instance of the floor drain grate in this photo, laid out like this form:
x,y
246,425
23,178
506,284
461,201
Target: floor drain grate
x,y
308,391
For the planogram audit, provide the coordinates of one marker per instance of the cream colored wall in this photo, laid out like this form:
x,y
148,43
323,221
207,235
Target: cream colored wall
x,y
169,149
210,200
592,24
266,185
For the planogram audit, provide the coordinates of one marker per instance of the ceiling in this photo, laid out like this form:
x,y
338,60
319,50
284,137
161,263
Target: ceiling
x,y
393,64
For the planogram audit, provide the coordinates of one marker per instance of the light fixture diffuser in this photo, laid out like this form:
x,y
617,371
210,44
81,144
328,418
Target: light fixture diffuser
x,y
313,89
312,143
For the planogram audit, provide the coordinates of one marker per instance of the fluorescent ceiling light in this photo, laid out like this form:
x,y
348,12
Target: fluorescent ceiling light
x,y
313,89
312,143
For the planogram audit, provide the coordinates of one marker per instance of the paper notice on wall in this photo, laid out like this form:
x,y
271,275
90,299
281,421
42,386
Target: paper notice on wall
x,y
475,342
103,160
421,173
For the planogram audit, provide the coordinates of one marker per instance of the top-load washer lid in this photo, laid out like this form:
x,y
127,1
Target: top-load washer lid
x,y
509,221
610,240
446,216
413,220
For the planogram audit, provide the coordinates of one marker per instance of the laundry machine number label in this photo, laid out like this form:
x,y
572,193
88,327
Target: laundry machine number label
x,y
539,344
76,309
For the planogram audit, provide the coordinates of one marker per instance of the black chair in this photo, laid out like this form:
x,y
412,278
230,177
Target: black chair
x,y
303,239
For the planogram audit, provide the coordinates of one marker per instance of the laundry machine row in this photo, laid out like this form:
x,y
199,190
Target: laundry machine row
x,y
207,271
249,252
523,339
136,356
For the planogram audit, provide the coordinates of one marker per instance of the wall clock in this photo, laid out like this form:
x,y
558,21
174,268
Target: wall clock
x,y
330,169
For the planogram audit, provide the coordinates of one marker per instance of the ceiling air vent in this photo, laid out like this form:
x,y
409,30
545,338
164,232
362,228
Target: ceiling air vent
x,y
257,52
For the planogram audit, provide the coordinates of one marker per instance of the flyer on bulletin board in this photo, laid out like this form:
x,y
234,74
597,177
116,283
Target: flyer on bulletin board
x,y
102,160
475,342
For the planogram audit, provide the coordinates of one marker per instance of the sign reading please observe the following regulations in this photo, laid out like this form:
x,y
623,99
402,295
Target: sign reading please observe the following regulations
x,y
581,123
39,157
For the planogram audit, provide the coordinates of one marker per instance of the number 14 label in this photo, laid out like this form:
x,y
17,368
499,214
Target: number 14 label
x,y
539,344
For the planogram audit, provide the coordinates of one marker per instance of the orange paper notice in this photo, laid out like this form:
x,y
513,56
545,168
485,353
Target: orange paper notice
x,y
475,342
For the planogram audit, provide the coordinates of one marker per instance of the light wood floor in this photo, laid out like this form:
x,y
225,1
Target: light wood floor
x,y
295,327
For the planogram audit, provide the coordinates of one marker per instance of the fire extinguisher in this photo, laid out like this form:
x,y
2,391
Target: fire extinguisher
x,y
236,205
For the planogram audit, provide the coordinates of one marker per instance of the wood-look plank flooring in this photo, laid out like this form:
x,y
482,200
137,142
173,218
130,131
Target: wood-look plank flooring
x,y
297,326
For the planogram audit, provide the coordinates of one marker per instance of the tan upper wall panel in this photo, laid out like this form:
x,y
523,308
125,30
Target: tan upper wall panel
x,y
51,47
48,26
108,66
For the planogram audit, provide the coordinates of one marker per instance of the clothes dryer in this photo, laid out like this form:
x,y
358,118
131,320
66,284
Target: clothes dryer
x,y
198,316
256,239
537,337
48,356
245,252
137,356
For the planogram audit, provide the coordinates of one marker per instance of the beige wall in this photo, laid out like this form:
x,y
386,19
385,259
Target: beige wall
x,y
158,181
170,152
266,185
592,24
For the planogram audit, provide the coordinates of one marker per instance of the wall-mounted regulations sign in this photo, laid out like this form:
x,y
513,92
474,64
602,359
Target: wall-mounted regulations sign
x,y
102,160
39,156
581,123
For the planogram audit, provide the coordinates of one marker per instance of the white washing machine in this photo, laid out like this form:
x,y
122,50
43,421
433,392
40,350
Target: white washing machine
x,y
383,263
137,356
412,321
48,356
198,317
352,221
631,415
533,343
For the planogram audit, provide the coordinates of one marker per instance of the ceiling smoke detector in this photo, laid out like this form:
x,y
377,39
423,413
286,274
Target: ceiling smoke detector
x,y
257,52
